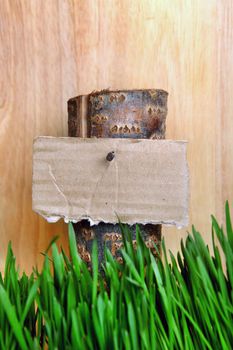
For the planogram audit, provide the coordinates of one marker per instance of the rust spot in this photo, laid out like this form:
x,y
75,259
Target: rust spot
x,y
112,236
153,238
112,98
121,98
84,253
115,247
151,245
119,260
154,124
133,129
116,97
114,129
155,111
87,234
87,257
80,248
153,93
97,102
95,118
99,119
97,92
126,130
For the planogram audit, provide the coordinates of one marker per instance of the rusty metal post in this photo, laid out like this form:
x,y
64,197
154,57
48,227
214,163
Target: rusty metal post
x,y
138,114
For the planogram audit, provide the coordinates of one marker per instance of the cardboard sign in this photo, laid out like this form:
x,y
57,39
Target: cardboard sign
x,y
143,181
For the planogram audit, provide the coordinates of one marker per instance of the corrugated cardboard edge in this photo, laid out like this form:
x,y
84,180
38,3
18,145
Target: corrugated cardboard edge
x,y
93,221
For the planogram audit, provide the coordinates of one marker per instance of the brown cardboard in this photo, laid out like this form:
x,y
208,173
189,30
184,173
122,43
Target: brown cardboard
x,y
146,182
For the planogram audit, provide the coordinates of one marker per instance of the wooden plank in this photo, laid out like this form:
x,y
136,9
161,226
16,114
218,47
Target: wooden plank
x,y
145,182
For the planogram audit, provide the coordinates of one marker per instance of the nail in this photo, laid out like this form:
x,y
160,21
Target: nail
x,y
110,156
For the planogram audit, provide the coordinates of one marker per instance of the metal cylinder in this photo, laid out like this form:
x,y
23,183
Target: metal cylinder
x,y
138,114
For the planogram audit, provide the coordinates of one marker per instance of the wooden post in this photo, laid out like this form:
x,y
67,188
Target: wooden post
x,y
116,114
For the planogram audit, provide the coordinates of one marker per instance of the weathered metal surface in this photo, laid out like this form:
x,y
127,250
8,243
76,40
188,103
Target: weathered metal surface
x,y
117,114
110,235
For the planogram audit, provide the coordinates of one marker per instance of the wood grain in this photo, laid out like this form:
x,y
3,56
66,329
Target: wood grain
x,y
55,49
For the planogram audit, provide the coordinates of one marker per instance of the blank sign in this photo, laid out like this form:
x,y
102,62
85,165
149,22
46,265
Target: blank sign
x,y
145,181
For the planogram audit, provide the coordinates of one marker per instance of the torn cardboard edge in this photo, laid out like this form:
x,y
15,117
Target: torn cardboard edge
x,y
74,161
54,219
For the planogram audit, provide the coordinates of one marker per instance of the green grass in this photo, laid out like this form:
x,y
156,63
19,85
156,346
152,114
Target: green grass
x,y
175,303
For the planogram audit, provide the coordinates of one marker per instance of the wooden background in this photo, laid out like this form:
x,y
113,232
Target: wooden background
x,y
55,49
